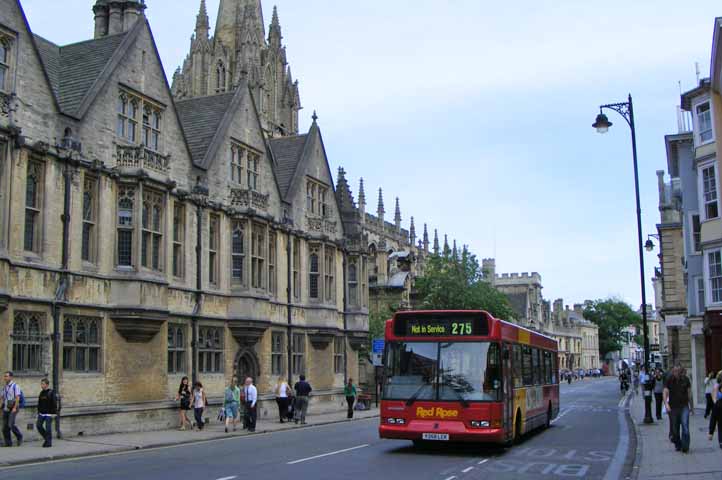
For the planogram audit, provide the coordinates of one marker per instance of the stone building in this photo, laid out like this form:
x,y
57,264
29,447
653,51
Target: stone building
x,y
524,291
144,237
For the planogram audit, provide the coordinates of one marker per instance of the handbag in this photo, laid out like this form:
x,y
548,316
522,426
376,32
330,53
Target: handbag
x,y
221,415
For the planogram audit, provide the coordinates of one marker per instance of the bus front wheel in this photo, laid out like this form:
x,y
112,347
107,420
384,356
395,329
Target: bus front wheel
x,y
549,417
517,429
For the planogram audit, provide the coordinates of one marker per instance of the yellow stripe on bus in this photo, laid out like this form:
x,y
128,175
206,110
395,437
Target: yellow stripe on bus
x,y
524,337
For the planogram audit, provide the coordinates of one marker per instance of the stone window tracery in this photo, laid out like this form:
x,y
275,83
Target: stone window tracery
x,y
338,362
313,274
28,342
90,218
316,198
257,255
238,252
298,350
151,128
238,155
5,49
81,344
125,226
296,268
33,205
179,237
329,270
133,109
353,297
210,350
176,348
220,77
253,172
272,263
277,347
213,241
152,230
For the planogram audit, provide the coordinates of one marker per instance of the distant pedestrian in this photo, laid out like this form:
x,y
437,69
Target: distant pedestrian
x,y
184,397
716,417
231,403
47,410
635,382
11,405
303,390
349,391
283,395
708,387
658,393
678,401
251,399
200,402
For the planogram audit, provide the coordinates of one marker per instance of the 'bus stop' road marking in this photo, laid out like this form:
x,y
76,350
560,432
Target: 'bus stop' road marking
x,y
467,470
483,462
328,454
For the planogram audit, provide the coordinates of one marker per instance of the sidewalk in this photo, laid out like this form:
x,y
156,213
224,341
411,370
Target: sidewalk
x,y
32,452
656,457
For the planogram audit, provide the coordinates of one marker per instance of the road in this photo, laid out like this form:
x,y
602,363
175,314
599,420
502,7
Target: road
x,y
584,442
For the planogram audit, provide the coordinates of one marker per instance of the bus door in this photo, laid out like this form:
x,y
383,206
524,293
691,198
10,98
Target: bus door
x,y
508,390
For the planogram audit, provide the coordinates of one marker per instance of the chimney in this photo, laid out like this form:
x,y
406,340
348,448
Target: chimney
x,y
101,20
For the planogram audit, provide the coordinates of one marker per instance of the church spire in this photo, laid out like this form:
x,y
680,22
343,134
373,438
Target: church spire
x,y
380,209
436,242
274,32
202,22
412,232
362,201
397,215
426,239
446,244
455,252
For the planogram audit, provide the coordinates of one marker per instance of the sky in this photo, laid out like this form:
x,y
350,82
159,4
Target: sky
x,y
477,114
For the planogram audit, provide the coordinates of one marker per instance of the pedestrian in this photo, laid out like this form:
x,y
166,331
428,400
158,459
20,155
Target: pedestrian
x,y
635,381
349,391
303,390
708,386
251,399
231,402
678,402
47,410
11,404
716,417
283,394
658,393
184,397
200,402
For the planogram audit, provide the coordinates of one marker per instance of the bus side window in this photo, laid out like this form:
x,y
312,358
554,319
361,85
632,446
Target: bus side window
x,y
536,366
516,365
526,366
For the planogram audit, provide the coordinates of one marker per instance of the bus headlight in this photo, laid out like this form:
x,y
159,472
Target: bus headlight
x,y
479,424
395,421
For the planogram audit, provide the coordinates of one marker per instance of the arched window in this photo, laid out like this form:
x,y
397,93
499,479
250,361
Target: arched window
x,y
353,284
238,253
220,77
176,349
126,226
313,273
81,344
210,352
27,342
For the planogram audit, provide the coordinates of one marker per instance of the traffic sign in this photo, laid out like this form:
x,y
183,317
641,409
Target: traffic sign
x,y
377,346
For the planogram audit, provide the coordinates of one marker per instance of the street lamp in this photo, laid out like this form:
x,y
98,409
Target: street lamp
x,y
602,124
649,244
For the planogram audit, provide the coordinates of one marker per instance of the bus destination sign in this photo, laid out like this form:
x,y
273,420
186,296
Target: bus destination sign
x,y
446,325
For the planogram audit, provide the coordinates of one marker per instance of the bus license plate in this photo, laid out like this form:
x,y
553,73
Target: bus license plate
x,y
444,437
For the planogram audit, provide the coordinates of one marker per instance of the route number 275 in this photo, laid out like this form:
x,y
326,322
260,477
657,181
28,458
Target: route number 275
x,y
461,328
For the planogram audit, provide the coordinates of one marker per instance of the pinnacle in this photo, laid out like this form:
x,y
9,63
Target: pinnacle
x,y
361,193
397,214
381,202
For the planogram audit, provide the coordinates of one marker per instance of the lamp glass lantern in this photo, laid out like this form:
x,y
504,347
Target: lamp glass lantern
x,y
602,123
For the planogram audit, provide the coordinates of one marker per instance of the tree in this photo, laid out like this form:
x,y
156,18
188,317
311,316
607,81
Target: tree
x,y
454,281
612,316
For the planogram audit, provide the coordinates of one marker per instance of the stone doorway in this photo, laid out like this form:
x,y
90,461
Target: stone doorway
x,y
246,365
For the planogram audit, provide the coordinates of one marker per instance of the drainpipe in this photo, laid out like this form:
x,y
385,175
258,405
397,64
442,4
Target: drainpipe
x,y
198,294
60,292
289,309
345,323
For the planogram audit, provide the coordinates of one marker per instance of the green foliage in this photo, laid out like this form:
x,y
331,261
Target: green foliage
x,y
612,316
377,322
455,282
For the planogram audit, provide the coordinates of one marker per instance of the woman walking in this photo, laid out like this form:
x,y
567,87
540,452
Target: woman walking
x,y
716,418
199,403
349,391
708,387
282,391
184,397
231,402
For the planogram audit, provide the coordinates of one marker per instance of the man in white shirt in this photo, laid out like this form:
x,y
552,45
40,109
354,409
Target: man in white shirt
x,y
251,398
10,405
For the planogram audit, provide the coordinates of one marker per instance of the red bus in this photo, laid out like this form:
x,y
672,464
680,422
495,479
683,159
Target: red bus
x,y
465,376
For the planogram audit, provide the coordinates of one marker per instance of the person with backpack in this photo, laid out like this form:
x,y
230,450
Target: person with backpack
x,y
12,401
47,410
231,403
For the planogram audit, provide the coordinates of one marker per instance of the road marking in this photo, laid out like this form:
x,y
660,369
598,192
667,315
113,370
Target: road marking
x,y
451,477
483,462
615,468
228,478
467,470
328,454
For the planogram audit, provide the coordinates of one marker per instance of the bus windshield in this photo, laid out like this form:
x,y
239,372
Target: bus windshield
x,y
445,371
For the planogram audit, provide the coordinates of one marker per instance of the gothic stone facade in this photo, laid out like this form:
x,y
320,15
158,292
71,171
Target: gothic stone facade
x,y
145,237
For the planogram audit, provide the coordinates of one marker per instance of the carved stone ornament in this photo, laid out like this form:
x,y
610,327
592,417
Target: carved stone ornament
x,y
137,325
357,340
6,104
321,225
248,332
4,300
321,338
249,198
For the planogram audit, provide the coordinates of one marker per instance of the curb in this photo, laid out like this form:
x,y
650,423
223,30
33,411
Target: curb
x,y
154,446
638,443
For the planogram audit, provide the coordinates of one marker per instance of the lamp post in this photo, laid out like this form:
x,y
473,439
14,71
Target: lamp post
x,y
602,124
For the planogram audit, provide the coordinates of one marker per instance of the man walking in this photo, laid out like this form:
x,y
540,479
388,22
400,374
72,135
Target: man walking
x,y
303,390
251,398
11,404
678,402
47,410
